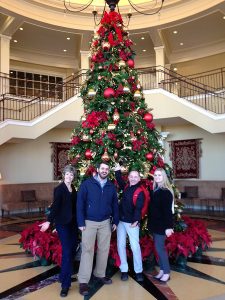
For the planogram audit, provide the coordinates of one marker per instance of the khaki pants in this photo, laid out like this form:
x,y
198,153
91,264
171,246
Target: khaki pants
x,y
103,232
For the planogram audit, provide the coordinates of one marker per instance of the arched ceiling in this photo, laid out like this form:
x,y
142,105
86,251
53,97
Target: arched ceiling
x,y
200,29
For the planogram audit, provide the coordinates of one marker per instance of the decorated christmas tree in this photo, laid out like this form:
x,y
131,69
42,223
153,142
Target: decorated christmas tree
x,y
116,125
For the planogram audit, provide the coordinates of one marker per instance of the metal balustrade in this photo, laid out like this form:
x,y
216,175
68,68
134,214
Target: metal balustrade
x,y
208,94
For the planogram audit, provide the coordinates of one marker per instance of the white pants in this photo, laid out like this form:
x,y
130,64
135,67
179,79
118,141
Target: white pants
x,y
133,233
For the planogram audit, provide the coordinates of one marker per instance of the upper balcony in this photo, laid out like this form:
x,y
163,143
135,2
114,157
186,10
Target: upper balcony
x,y
30,111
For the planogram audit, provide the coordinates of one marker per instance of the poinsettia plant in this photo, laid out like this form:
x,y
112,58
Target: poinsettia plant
x,y
185,243
41,244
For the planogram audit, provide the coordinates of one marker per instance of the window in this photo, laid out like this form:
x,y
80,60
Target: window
x,y
34,85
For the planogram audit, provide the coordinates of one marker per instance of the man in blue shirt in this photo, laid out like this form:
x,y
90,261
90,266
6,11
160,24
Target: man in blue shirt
x,y
97,202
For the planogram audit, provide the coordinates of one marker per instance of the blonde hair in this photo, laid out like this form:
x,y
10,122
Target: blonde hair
x,y
165,183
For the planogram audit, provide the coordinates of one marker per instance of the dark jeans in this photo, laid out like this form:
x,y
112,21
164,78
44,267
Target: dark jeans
x,y
159,242
68,238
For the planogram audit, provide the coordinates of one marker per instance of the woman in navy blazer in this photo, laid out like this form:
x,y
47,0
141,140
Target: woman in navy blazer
x,y
63,215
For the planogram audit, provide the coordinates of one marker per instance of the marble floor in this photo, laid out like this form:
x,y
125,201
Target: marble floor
x,y
22,277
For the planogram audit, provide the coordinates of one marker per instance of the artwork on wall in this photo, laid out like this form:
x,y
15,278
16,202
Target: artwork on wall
x,y
59,158
185,156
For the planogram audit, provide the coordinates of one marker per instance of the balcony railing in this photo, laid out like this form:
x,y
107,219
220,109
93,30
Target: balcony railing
x,y
27,106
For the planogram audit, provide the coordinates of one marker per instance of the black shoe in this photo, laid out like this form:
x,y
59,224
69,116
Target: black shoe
x,y
124,276
64,292
104,280
139,277
73,279
83,289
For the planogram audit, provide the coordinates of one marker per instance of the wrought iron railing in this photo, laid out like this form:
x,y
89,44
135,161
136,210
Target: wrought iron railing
x,y
25,108
215,79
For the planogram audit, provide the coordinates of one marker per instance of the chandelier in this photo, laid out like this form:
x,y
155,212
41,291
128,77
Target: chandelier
x,y
156,6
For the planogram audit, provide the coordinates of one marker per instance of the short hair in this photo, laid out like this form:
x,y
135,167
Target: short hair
x,y
69,168
135,171
102,162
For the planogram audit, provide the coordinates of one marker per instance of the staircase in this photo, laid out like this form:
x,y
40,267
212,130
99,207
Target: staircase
x,y
184,97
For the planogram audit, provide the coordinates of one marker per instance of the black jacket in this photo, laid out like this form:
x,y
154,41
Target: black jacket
x,y
63,208
160,215
129,212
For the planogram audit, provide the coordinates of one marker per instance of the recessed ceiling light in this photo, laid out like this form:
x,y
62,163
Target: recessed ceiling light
x,y
68,38
142,38
181,44
144,50
65,50
175,69
224,17
175,31
21,28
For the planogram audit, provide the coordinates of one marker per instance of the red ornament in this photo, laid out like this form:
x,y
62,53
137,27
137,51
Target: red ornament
x,y
115,155
94,58
118,144
88,154
109,92
141,111
148,117
130,63
149,156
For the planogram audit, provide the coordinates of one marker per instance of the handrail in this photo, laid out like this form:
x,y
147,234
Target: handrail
x,y
26,109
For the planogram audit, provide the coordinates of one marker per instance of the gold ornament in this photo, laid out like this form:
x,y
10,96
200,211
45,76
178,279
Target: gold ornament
x,y
132,137
111,126
126,89
82,171
85,138
105,156
91,93
106,45
137,94
122,63
116,117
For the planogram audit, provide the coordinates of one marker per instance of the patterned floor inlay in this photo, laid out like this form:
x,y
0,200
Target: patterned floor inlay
x,y
22,277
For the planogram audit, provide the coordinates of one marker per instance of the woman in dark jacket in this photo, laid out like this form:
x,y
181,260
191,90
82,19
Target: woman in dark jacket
x,y
160,221
63,215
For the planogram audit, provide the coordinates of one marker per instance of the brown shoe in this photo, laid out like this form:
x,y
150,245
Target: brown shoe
x,y
104,280
83,289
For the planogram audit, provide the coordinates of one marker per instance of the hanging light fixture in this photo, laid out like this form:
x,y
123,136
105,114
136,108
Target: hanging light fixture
x,y
156,7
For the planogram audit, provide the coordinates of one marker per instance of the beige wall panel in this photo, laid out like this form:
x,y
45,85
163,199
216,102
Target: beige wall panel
x,y
201,65
39,69
30,161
